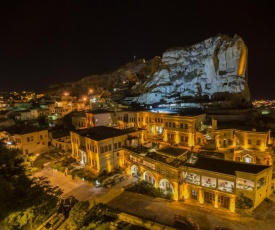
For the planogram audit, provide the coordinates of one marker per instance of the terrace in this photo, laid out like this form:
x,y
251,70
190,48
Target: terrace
x,y
168,155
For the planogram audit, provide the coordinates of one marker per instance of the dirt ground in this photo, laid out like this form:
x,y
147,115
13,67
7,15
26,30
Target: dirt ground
x,y
266,210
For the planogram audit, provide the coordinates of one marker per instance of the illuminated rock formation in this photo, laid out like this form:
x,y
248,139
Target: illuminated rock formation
x,y
210,69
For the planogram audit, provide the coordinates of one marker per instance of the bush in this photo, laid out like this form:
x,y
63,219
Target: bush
x,y
68,161
58,167
144,187
244,202
84,173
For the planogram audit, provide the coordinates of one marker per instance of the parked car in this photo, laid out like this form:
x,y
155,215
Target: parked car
x,y
65,204
183,222
54,222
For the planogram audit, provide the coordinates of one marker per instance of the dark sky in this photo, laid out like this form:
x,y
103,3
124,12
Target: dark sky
x,y
54,41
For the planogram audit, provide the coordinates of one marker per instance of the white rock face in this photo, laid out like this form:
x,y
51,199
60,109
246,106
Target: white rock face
x,y
215,65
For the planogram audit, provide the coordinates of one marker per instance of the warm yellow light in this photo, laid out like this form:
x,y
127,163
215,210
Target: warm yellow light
x,y
185,192
242,63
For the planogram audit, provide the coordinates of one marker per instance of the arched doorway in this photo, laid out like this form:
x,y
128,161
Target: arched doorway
x,y
149,177
166,186
83,157
135,171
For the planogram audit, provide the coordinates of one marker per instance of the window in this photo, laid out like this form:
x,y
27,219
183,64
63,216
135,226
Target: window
x,y
172,137
28,139
258,142
249,141
194,194
105,148
101,150
174,125
117,154
109,147
119,144
41,137
115,146
186,126
181,125
186,139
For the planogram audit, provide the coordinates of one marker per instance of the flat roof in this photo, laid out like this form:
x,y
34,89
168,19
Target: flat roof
x,y
171,151
22,129
99,133
99,111
168,159
225,166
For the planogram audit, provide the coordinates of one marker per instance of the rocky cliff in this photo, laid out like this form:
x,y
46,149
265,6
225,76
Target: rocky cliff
x,y
213,69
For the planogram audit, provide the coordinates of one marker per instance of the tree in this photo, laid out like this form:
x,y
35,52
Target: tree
x,y
244,202
78,213
21,196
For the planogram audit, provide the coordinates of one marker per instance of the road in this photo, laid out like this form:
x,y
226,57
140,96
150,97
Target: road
x,y
157,209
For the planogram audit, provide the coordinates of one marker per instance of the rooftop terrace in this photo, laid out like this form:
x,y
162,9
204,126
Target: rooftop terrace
x,y
169,155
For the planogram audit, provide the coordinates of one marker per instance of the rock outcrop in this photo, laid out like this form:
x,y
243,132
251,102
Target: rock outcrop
x,y
213,69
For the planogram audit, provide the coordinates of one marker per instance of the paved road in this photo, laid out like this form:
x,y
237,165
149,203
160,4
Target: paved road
x,y
163,212
157,209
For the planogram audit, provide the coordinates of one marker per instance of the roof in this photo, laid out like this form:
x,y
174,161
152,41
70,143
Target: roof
x,y
240,126
103,132
23,129
172,151
226,167
99,111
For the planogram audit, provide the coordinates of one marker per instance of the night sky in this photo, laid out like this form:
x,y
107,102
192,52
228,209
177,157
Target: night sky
x,y
44,42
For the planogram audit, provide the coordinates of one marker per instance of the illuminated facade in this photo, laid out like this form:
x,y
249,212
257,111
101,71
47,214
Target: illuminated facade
x,y
156,149
100,118
219,183
170,128
247,146
28,139
202,180
100,148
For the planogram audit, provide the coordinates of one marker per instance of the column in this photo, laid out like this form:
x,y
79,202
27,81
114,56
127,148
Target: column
x,y
201,198
216,204
232,204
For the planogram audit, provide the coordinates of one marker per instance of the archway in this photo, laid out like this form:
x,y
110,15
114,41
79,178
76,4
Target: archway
x,y
166,186
83,157
134,170
149,177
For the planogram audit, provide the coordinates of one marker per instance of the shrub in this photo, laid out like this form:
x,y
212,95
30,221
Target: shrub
x,y
244,202
144,187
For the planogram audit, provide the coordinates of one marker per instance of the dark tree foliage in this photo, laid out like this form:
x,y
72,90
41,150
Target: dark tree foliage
x,y
21,196
78,213
144,187
244,202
